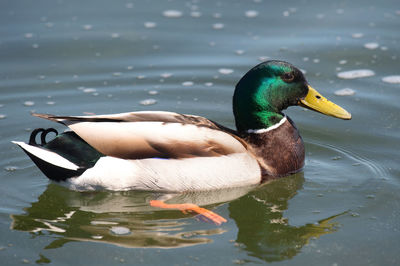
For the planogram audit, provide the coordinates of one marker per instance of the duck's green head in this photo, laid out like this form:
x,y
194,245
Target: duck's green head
x,y
272,86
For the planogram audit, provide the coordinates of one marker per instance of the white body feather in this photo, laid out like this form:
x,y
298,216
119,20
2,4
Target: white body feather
x,y
175,175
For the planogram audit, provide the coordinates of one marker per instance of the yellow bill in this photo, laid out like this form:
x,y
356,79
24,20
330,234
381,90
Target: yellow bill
x,y
315,101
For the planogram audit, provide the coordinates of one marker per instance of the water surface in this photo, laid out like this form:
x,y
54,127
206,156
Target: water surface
x,y
74,57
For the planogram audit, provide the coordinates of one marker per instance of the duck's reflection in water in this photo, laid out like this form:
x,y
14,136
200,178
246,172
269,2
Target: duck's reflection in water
x,y
126,219
263,230
121,218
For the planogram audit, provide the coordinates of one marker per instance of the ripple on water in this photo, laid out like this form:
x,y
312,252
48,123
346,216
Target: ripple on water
x,y
377,169
358,73
395,79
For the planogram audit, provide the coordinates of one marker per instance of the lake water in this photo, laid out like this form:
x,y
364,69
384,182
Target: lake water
x,y
79,57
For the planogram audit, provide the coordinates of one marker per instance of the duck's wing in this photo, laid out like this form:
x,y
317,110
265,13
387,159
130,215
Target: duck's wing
x,y
138,135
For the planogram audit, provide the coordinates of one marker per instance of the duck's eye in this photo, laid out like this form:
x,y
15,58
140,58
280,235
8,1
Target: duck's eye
x,y
287,77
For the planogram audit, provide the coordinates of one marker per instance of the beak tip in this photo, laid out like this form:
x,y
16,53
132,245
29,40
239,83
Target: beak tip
x,y
346,115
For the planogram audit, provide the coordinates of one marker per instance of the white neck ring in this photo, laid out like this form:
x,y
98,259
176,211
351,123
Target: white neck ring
x,y
263,130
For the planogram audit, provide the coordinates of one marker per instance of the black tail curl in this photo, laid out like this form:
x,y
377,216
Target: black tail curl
x,y
44,133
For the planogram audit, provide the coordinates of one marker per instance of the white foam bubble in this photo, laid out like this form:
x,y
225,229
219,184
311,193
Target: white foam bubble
x,y
357,35
218,26
358,73
148,102
251,13
166,75
263,58
195,14
371,45
172,13
150,24
29,103
87,27
102,223
187,83
115,35
153,92
89,90
395,79
225,71
120,230
217,15
345,92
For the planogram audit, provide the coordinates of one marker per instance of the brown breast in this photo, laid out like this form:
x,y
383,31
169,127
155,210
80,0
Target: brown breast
x,y
279,151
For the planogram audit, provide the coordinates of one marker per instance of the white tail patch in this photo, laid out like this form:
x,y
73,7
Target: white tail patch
x,y
48,156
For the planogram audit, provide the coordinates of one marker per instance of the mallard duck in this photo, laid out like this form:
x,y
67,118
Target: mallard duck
x,y
166,151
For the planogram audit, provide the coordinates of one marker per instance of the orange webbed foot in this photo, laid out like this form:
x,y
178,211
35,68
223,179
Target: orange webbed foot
x,y
203,214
